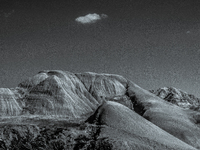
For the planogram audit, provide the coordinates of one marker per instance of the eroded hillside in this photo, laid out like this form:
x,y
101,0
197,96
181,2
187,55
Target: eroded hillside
x,y
62,110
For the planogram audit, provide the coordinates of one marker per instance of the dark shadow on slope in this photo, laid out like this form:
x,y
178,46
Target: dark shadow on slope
x,y
138,107
93,119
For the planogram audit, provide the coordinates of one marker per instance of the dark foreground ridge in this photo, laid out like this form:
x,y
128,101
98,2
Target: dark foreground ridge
x,y
59,110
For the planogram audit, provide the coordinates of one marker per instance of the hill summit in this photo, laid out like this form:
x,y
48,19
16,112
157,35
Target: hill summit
x,y
62,110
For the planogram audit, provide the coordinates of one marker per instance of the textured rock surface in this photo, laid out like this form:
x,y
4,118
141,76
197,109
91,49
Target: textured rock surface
x,y
64,94
62,110
178,97
8,103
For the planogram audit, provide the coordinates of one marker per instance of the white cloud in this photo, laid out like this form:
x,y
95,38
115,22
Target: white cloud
x,y
90,18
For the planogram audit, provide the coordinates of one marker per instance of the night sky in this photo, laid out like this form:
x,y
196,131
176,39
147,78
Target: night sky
x,y
154,43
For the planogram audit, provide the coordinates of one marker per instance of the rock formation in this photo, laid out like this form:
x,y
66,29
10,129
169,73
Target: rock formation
x,y
178,97
62,110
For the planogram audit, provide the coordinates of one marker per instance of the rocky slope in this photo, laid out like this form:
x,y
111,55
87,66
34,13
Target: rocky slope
x,y
62,110
178,97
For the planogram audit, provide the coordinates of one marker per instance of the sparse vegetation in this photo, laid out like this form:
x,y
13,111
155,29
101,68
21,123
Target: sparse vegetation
x,y
53,138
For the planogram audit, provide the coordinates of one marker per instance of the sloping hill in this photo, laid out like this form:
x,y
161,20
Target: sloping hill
x,y
175,120
60,94
77,103
128,130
